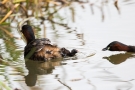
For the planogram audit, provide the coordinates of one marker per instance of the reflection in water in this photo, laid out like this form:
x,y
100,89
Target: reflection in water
x,y
36,68
119,58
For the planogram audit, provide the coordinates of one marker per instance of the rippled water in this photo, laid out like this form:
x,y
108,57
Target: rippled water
x,y
91,68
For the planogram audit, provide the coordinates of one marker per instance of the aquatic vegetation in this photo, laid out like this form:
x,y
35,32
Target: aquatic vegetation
x,y
48,9
3,86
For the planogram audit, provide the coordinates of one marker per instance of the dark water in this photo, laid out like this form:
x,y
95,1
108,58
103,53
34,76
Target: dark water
x,y
90,69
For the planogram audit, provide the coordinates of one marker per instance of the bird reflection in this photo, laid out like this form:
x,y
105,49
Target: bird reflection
x,y
36,68
119,58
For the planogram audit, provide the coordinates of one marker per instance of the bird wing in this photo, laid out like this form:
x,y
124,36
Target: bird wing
x,y
36,45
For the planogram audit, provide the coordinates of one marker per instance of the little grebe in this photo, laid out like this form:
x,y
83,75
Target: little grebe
x,y
118,46
42,49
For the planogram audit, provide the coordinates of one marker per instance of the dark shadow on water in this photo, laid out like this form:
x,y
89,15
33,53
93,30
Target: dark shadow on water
x,y
119,58
36,68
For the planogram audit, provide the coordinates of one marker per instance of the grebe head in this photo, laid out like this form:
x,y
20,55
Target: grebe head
x,y
65,52
74,51
28,33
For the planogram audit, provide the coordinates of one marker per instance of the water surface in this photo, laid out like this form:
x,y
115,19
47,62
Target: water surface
x,y
91,68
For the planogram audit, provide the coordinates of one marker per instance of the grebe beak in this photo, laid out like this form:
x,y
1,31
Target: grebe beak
x,y
104,49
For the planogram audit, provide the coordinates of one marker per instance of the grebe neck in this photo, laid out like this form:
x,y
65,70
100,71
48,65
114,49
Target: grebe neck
x,y
28,33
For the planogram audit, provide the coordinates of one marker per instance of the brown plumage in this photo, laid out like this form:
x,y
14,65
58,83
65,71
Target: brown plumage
x,y
118,46
41,49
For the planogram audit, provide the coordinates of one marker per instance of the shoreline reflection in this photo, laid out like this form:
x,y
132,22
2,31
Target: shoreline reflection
x,y
119,58
36,68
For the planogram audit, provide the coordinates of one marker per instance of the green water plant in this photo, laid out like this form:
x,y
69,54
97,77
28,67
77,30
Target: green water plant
x,y
4,86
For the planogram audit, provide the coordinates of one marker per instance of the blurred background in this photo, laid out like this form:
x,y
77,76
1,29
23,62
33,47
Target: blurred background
x,y
88,25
